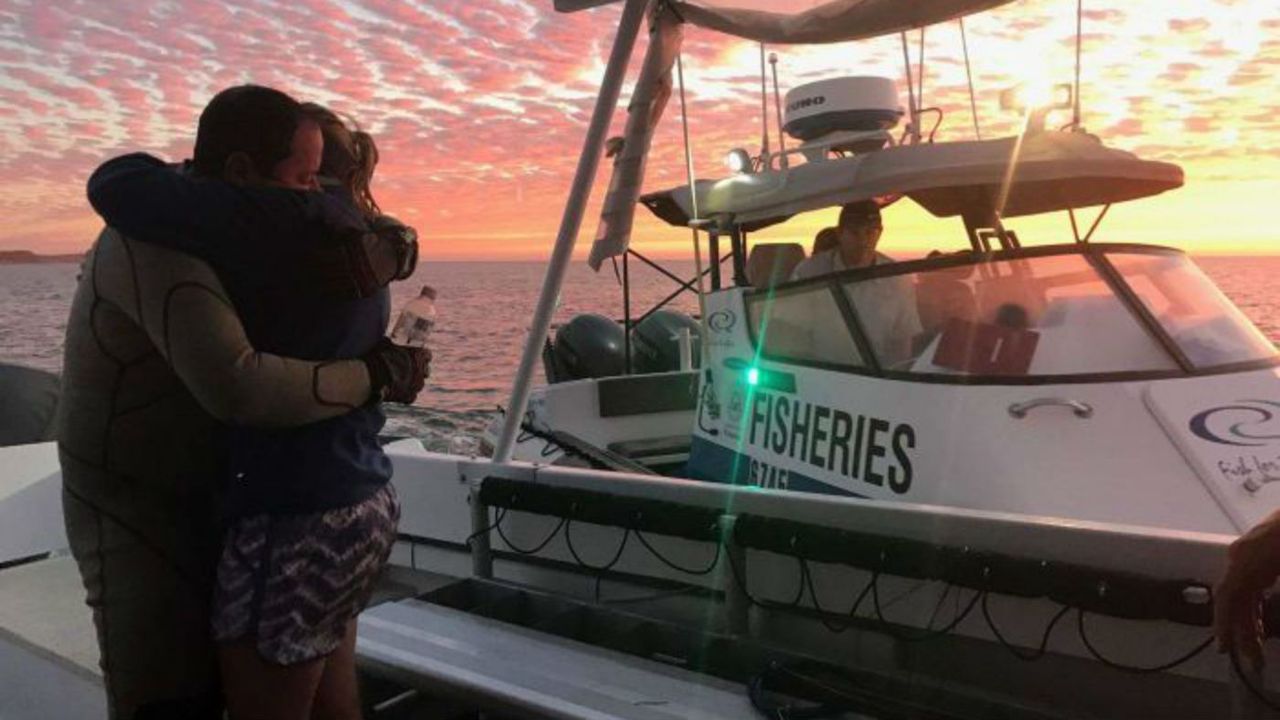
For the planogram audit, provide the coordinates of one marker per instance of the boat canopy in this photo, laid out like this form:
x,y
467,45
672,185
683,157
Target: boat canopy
x,y
1036,172
812,21
1050,171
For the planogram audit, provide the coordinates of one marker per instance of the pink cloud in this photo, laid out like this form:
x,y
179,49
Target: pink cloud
x,y
479,105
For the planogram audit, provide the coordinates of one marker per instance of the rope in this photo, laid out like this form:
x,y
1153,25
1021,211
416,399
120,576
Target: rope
x,y
968,71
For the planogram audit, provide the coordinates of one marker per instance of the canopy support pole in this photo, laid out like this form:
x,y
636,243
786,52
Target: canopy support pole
x,y
633,14
697,220
626,314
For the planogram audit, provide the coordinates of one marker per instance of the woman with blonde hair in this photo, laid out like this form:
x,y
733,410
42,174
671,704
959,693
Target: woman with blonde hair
x,y
295,574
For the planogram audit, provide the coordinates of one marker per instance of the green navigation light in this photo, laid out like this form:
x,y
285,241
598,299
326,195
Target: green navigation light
x,y
757,378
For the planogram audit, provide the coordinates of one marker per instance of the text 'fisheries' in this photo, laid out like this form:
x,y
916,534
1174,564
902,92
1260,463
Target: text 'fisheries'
x,y
853,445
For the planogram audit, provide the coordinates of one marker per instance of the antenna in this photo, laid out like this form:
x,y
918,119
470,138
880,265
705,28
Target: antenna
x,y
777,104
913,127
1075,109
764,110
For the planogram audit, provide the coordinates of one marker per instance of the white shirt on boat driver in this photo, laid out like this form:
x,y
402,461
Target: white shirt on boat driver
x,y
886,306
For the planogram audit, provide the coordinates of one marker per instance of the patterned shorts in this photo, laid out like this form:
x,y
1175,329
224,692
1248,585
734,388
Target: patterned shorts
x,y
294,581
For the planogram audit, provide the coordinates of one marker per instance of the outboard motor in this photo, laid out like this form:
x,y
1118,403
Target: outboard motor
x,y
588,346
30,400
655,345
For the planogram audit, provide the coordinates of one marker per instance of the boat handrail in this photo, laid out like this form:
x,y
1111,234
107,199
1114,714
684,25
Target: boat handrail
x,y
1113,546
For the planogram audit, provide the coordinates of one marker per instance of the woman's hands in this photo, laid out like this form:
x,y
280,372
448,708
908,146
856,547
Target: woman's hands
x,y
399,244
397,373
1253,564
364,263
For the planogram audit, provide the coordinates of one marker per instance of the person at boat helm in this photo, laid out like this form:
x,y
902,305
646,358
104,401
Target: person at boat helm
x,y
1253,566
857,235
886,307
826,239
158,364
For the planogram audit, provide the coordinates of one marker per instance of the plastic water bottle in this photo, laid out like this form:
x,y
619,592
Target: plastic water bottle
x,y
413,327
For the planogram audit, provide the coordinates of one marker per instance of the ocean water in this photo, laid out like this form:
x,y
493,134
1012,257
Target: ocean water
x,y
484,312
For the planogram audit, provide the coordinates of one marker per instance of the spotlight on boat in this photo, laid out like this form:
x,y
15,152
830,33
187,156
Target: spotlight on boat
x,y
1035,102
753,377
738,160
1033,98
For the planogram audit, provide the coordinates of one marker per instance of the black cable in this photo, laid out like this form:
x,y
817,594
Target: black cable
x,y
551,445
1256,691
742,587
502,512
715,560
937,606
806,583
536,548
830,625
1018,652
1133,668
568,540
758,694
795,601
927,634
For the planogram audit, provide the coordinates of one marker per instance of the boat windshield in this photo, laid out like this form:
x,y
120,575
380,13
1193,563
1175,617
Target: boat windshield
x,y
1061,313
1208,329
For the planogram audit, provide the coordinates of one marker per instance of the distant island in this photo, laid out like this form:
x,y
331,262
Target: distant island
x,y
26,257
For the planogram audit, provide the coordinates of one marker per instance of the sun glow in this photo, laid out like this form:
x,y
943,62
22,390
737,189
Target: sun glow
x,y
1188,82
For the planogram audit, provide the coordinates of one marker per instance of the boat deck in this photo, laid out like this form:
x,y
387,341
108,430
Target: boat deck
x,y
47,644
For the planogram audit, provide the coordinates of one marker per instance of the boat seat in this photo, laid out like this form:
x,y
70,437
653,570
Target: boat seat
x,y
527,673
772,263
654,449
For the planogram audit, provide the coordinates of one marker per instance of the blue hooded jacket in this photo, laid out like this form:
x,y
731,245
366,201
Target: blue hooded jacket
x,y
257,239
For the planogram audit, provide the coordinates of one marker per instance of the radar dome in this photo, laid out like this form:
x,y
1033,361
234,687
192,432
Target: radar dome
x,y
857,104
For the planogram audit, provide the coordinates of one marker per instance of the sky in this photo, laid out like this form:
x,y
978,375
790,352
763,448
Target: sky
x,y
479,107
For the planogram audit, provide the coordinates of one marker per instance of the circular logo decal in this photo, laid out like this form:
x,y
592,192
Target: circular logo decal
x,y
721,321
1245,423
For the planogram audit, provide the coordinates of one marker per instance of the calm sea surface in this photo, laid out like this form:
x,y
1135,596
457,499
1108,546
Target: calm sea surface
x,y
484,311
